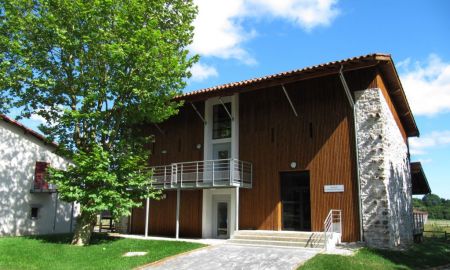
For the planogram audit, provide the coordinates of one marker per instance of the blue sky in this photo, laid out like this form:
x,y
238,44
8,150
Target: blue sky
x,y
241,39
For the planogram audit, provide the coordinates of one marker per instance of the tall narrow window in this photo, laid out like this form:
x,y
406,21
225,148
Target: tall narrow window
x,y
221,121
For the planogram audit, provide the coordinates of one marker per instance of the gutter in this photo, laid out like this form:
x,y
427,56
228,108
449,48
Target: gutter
x,y
358,177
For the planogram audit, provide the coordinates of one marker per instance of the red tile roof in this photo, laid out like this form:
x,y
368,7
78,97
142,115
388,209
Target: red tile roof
x,y
382,60
284,74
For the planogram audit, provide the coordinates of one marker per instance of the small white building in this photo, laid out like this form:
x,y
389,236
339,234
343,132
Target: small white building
x,y
28,204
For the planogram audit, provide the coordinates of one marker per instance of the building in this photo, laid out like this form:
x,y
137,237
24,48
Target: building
x,y
28,204
280,152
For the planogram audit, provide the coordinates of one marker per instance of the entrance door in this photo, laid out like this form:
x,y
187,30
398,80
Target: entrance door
x,y
221,219
295,201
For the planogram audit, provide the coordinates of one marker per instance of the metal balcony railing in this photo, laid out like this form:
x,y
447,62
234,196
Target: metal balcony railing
x,y
203,174
42,187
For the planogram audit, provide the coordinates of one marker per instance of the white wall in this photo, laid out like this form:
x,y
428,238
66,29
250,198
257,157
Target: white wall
x,y
207,213
18,154
230,193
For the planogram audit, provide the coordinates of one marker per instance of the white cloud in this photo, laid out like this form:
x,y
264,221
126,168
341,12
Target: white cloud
x,y
427,85
38,119
307,14
202,72
420,146
219,29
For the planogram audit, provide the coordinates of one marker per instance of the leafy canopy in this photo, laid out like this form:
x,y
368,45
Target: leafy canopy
x,y
95,71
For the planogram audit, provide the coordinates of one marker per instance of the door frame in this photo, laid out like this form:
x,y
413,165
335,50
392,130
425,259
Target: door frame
x,y
280,173
220,199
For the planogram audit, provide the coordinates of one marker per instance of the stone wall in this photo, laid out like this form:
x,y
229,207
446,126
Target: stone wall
x,y
384,173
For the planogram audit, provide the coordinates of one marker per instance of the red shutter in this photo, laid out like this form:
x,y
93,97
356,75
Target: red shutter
x,y
39,175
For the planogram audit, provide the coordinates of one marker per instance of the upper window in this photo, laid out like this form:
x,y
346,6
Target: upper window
x,y
221,121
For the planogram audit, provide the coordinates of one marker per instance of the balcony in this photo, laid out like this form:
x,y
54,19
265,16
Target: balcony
x,y
219,173
42,187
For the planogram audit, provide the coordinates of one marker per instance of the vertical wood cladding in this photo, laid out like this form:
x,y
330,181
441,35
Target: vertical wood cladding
x,y
181,135
320,140
163,215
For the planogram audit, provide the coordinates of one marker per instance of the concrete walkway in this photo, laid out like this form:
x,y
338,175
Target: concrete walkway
x,y
229,256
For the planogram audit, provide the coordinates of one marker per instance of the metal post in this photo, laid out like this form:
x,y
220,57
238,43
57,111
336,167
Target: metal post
x,y
56,211
226,109
71,217
230,171
165,175
147,215
289,100
196,175
213,172
177,226
356,141
181,175
242,173
237,209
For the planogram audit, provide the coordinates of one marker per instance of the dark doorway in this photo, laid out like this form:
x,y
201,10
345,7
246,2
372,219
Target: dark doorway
x,y
295,201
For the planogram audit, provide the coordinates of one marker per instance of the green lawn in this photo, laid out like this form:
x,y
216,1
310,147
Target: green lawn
x,y
435,227
54,252
430,253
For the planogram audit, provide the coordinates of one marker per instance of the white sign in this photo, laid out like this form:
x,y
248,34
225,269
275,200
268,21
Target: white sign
x,y
333,188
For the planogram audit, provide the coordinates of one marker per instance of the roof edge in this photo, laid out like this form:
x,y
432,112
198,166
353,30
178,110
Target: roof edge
x,y
28,130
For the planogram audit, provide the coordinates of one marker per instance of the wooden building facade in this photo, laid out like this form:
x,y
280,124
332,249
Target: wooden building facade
x,y
297,130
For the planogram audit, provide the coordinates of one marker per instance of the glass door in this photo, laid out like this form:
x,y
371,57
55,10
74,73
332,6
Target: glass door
x,y
222,220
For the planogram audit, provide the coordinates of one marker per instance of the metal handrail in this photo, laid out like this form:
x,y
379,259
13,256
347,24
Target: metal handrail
x,y
332,224
204,173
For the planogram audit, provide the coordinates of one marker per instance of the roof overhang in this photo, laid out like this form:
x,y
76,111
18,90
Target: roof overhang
x,y
383,61
419,181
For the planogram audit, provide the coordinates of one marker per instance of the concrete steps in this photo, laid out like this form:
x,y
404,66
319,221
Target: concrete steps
x,y
279,238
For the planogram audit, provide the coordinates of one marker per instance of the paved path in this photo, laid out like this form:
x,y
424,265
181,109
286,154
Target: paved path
x,y
228,256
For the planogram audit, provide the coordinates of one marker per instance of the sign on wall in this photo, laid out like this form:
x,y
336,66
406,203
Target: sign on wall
x,y
333,188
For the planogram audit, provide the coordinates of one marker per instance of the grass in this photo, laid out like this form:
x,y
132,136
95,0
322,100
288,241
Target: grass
x,y
54,252
438,225
430,253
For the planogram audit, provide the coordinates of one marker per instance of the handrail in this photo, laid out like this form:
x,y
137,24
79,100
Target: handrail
x,y
203,174
332,224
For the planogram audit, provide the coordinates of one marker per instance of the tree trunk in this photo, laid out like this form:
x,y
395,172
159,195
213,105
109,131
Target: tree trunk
x,y
84,228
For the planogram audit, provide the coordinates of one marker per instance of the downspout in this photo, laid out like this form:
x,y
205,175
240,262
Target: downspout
x,y
358,177
71,217
56,212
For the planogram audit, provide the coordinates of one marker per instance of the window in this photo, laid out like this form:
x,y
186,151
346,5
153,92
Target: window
x,y
34,212
221,121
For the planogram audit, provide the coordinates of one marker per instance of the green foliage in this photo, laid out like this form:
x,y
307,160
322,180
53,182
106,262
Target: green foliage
x,y
105,181
437,208
53,252
96,71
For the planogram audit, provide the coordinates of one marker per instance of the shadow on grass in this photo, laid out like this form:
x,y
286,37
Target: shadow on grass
x,y
96,239
430,253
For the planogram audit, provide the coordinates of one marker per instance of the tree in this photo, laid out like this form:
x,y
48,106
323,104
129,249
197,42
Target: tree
x,y
431,200
96,71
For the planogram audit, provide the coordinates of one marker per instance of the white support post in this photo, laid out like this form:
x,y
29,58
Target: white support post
x,y
237,209
177,226
147,215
